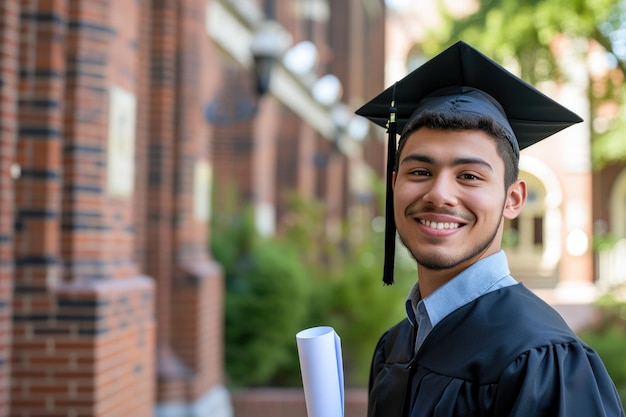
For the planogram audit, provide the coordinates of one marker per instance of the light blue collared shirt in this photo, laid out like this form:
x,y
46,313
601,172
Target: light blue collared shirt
x,y
486,275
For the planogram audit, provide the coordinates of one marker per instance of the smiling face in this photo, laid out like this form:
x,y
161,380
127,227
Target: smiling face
x,y
450,199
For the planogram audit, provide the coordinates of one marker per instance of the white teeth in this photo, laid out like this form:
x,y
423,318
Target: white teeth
x,y
439,225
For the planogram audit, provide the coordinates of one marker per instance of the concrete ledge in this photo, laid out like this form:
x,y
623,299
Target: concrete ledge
x,y
289,402
215,403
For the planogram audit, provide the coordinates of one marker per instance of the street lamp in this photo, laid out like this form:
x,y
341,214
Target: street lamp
x,y
301,58
268,44
327,90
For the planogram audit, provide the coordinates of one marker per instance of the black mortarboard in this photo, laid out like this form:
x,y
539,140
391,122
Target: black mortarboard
x,y
462,80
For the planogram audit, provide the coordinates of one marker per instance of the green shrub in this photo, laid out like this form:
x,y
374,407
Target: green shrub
x,y
276,287
360,308
266,302
608,339
347,289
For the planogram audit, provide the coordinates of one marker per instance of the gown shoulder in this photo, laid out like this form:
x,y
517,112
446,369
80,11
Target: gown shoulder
x,y
505,354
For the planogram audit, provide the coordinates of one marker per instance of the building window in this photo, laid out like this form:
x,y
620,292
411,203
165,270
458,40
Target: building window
x,y
538,231
526,233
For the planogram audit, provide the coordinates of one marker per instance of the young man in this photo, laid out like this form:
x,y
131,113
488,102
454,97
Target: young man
x,y
475,342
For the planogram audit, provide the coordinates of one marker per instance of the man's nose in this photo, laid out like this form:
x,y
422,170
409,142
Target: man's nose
x,y
442,191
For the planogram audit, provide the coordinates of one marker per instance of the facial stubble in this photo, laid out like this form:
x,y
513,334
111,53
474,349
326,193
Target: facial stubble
x,y
440,264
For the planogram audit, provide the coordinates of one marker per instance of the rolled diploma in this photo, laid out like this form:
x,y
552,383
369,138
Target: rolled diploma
x,y
321,365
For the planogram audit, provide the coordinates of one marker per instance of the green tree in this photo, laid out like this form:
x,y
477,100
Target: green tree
x,y
525,31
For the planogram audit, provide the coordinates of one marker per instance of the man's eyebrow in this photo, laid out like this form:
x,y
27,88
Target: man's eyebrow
x,y
456,162
418,158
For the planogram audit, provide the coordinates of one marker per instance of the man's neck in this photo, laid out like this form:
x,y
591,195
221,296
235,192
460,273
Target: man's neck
x,y
430,280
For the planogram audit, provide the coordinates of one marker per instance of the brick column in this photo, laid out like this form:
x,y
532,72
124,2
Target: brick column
x,y
83,325
268,123
295,169
171,372
337,193
231,111
37,244
141,203
307,140
196,317
322,159
9,33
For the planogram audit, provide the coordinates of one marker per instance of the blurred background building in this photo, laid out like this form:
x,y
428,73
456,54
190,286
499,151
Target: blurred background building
x,y
117,118
125,122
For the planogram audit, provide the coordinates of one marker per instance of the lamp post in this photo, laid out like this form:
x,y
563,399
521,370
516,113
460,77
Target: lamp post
x,y
269,43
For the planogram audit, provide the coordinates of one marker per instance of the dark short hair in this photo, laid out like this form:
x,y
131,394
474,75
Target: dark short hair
x,y
447,121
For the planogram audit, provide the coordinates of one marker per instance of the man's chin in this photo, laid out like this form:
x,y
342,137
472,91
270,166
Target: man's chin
x,y
436,262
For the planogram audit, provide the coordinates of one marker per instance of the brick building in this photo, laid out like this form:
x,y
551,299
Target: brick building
x,y
116,118
104,193
287,139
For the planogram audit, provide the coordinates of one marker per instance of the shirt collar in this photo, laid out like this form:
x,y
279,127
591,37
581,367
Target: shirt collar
x,y
486,275
412,300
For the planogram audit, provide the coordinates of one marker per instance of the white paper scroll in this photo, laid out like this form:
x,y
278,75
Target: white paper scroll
x,y
321,365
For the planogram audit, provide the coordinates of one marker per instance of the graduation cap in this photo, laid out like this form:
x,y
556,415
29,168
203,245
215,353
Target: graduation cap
x,y
461,80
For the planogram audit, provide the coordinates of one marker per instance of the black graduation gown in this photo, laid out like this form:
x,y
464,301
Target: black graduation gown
x,y
506,353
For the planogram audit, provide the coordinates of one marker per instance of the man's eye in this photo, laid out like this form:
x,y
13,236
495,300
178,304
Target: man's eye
x,y
469,177
420,173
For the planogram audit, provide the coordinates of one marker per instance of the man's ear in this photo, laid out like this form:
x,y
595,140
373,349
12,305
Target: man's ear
x,y
516,197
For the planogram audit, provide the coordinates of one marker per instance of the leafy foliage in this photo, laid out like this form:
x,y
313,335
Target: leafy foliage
x,y
266,300
610,145
608,338
360,309
278,286
522,34
525,29
348,292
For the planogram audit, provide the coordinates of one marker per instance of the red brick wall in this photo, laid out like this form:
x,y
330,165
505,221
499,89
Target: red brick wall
x,y
290,164
76,246
92,355
9,27
82,314
83,334
307,139
231,112
160,186
37,196
143,83
82,351
189,283
197,328
197,288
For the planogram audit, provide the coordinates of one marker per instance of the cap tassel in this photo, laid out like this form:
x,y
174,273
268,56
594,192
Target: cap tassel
x,y
390,224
